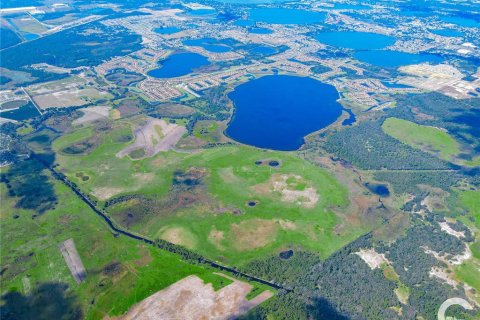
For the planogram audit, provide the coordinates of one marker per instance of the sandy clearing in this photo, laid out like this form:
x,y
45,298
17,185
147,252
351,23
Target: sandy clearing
x,y
192,299
442,275
180,236
253,233
446,227
91,114
105,193
372,258
455,260
154,136
288,186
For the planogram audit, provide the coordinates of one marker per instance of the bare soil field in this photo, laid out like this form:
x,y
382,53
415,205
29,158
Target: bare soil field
x,y
68,98
92,114
191,298
153,137
73,261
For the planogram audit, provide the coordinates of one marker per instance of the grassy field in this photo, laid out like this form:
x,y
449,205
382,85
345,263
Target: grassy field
x,y
120,271
109,176
226,203
429,139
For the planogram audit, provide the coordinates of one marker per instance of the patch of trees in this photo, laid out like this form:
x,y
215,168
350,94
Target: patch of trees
x,y
368,147
408,181
214,103
413,265
27,181
47,301
459,117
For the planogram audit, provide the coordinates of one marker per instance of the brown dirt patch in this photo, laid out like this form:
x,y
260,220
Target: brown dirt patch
x,y
191,298
145,257
180,236
254,233
216,237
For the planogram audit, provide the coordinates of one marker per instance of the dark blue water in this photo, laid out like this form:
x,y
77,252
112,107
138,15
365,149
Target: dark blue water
x,y
179,64
263,50
378,189
395,59
355,40
209,44
167,30
286,16
277,112
260,30
350,120
463,22
448,32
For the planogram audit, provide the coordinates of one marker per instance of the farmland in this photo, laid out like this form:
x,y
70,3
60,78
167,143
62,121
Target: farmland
x,y
429,139
119,271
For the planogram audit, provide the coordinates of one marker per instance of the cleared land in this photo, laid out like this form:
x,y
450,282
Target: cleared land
x,y
153,137
73,261
429,139
191,298
92,114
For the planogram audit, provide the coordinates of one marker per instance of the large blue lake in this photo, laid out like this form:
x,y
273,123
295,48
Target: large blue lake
x,y
394,59
178,65
355,40
277,112
286,16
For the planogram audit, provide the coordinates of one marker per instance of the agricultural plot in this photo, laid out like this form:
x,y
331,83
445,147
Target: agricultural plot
x,y
73,91
121,272
191,298
429,139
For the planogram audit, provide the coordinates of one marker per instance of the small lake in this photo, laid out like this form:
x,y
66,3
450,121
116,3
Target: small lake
x,y
286,16
462,22
178,65
209,44
448,33
263,50
259,30
278,111
394,59
379,189
355,40
167,30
